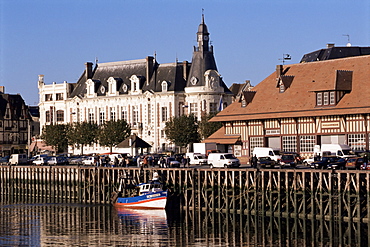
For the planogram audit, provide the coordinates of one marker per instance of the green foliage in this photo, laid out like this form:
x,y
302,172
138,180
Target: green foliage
x,y
55,136
182,130
113,132
82,133
207,128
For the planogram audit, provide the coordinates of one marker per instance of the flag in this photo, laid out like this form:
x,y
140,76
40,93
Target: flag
x,y
220,104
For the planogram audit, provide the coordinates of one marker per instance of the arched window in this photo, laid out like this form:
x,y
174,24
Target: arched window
x,y
164,86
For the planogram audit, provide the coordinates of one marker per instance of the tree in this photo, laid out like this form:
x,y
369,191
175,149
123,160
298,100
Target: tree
x,y
207,128
55,136
182,130
82,133
113,132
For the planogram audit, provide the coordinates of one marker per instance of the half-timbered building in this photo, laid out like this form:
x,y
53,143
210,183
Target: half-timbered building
x,y
300,106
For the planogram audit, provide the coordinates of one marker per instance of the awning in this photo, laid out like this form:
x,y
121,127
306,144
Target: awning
x,y
219,137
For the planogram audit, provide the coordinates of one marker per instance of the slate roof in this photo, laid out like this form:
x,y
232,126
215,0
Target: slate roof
x,y
334,53
171,73
122,69
299,100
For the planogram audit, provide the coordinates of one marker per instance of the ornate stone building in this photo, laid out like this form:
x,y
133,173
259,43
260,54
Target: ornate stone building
x,y
143,92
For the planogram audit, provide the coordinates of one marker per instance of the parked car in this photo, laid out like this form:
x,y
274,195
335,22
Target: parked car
x,y
287,160
297,158
75,160
4,160
30,161
337,165
322,164
308,161
173,162
59,160
355,163
40,161
90,161
264,162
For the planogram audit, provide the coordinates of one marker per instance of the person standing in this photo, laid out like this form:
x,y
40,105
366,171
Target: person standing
x,y
184,161
138,161
254,161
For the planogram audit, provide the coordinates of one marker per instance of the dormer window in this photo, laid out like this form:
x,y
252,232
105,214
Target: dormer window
x,y
90,86
282,88
112,86
164,86
328,98
135,83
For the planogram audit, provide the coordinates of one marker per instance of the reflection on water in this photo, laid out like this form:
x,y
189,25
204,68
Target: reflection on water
x,y
102,225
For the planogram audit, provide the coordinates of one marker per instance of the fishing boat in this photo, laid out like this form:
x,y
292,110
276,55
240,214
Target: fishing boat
x,y
150,196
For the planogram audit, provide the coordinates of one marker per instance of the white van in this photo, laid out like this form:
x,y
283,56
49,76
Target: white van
x,y
196,158
16,159
273,153
222,160
340,150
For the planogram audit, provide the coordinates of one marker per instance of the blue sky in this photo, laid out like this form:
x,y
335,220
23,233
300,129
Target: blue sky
x,y
56,38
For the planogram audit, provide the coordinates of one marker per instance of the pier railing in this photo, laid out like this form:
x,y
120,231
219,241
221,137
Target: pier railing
x,y
297,193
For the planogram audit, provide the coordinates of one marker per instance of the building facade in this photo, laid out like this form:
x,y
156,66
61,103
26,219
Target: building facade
x,y
143,92
300,106
15,124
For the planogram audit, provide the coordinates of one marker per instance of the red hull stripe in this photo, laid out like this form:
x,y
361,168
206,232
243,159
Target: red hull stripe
x,y
144,201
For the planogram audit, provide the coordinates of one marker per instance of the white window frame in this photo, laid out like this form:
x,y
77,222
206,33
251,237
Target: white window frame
x,y
319,98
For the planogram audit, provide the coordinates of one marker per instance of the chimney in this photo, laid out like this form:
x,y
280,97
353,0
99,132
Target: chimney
x,y
185,69
149,68
89,70
279,71
329,45
2,89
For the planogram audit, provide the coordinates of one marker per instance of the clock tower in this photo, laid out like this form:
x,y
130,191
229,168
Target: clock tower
x,y
203,36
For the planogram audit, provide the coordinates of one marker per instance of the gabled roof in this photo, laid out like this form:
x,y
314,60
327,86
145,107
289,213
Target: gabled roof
x,y
133,141
219,137
16,105
299,100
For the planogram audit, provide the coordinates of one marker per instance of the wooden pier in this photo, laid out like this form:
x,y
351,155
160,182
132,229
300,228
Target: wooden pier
x,y
293,193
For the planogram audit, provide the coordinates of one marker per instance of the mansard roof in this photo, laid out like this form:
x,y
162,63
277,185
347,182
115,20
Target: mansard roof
x,y
123,70
299,100
333,52
172,73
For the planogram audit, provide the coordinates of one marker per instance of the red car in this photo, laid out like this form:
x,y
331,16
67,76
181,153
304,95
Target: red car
x,y
355,163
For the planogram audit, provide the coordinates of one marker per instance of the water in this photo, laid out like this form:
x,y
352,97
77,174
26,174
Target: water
x,y
103,225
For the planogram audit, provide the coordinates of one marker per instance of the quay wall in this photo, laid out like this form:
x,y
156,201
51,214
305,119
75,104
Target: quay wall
x,y
297,193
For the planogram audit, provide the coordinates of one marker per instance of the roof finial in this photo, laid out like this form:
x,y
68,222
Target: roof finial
x,y
202,15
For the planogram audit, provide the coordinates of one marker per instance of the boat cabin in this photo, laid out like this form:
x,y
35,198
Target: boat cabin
x,y
153,186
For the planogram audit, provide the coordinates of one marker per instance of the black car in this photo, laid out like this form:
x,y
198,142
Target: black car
x,y
4,160
264,162
337,165
324,162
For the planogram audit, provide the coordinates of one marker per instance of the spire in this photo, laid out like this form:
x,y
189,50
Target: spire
x,y
203,35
